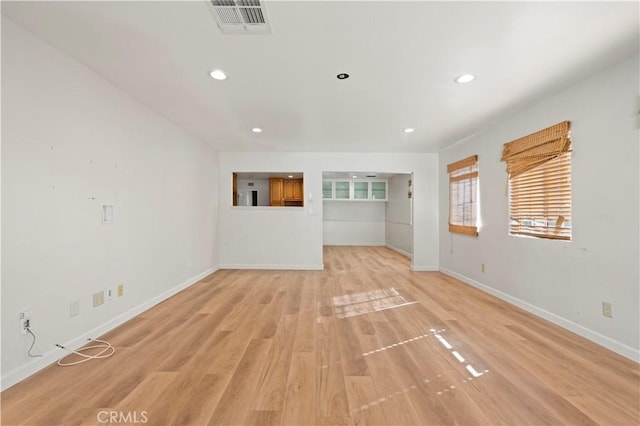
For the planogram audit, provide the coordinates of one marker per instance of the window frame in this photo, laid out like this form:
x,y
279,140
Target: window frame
x,y
540,187
464,189
540,195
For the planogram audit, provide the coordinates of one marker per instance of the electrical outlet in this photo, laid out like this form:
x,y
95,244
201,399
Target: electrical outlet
x,y
98,298
482,267
24,325
25,320
607,309
109,293
120,290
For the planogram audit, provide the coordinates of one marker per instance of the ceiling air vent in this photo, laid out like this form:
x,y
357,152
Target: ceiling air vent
x,y
241,16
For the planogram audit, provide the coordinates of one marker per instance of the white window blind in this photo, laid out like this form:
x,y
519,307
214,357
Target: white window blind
x,y
463,196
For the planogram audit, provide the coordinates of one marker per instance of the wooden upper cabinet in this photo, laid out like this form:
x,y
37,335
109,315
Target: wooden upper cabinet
x,y
276,192
235,189
293,189
298,190
286,192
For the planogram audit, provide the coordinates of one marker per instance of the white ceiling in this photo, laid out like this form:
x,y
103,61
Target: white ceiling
x,y
263,175
402,57
360,175
325,175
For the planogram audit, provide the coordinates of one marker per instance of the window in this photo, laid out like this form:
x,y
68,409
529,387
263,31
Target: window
x,y
539,168
463,196
261,189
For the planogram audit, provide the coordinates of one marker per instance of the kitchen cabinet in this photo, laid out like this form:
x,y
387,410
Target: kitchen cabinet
x,y
342,190
286,192
354,189
276,192
293,189
327,189
378,190
235,189
360,190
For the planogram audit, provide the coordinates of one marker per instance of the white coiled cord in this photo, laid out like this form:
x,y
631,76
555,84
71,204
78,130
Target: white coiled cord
x,y
106,352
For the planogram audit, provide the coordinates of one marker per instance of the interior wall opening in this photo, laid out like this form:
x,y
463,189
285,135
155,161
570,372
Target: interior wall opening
x,y
368,209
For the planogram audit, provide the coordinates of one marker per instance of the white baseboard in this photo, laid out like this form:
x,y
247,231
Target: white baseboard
x,y
24,371
319,267
397,250
425,268
614,345
355,244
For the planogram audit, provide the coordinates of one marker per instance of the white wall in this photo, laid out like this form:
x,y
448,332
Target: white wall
x,y
565,282
70,143
281,237
260,185
399,231
353,223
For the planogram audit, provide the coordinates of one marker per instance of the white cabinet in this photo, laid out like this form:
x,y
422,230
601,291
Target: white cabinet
x,y
354,189
341,190
379,190
327,189
361,190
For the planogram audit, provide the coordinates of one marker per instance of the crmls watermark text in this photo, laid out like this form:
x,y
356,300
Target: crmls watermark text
x,y
112,416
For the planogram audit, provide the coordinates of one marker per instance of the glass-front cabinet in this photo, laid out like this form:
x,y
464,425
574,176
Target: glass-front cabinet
x,y
360,190
342,190
379,190
327,189
354,189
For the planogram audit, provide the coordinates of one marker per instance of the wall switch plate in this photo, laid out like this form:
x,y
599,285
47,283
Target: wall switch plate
x,y
607,309
98,298
74,308
107,214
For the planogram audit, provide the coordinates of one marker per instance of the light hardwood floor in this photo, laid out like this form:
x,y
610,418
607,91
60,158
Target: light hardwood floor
x,y
366,341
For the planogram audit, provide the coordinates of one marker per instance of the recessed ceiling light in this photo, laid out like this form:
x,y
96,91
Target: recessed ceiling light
x,y
290,176
465,78
256,130
218,75
408,130
354,176
342,76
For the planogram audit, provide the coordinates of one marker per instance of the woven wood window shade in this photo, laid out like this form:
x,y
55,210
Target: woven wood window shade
x,y
463,196
539,167
537,148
